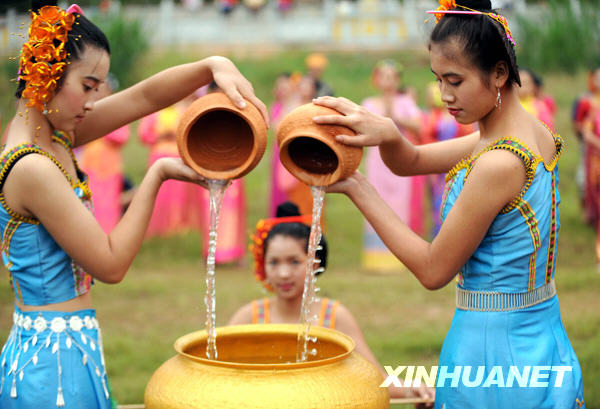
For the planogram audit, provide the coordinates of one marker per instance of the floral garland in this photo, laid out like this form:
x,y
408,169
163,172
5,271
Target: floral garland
x,y
263,227
42,61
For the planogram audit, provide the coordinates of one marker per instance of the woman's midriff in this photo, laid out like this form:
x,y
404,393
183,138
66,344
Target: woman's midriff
x,y
84,301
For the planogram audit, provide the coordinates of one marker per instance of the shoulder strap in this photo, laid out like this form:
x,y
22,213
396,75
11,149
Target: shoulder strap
x,y
9,160
62,139
260,311
327,316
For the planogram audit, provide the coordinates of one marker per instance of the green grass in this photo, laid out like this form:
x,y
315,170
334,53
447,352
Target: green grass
x,y
161,297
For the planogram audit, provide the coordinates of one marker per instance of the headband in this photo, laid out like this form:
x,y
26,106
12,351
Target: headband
x,y
42,60
450,7
257,247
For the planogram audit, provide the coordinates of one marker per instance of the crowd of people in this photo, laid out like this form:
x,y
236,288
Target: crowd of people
x,y
487,125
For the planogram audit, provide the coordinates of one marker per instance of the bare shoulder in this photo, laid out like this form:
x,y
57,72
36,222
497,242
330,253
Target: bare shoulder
x,y
243,315
344,317
500,173
35,171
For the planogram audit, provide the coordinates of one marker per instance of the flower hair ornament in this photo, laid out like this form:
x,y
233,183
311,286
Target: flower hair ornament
x,y
42,61
257,247
450,7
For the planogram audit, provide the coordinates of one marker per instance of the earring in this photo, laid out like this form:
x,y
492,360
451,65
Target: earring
x,y
498,103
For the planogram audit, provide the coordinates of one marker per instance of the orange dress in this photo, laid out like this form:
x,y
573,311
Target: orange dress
x,y
261,312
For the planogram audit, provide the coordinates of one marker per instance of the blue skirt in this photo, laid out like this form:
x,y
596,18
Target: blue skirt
x,y
54,359
525,356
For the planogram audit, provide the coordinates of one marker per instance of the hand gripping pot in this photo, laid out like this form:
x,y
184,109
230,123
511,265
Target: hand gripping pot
x,y
309,150
220,141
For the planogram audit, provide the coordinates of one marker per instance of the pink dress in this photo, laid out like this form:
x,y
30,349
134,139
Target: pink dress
x,y
403,194
102,161
178,205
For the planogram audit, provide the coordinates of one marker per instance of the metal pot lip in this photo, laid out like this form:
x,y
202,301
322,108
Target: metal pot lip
x,y
328,334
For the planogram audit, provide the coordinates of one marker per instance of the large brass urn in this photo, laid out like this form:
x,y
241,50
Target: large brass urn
x,y
257,368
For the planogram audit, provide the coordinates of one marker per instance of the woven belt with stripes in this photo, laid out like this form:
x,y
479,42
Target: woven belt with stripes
x,y
496,301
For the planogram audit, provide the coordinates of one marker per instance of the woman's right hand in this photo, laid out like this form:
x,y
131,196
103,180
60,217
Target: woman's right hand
x,y
370,129
353,186
174,168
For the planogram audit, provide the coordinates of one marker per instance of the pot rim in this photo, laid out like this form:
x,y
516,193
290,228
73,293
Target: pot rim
x,y
303,174
233,173
334,336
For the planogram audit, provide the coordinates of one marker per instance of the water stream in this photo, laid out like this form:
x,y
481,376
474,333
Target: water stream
x,y
312,268
217,191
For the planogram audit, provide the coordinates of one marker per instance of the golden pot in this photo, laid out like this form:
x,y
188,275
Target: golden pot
x,y
257,368
219,140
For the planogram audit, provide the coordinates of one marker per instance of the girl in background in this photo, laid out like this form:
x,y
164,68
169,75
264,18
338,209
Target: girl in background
x,y
280,265
404,194
439,125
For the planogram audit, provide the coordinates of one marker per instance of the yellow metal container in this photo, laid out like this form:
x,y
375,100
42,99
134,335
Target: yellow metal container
x,y
257,368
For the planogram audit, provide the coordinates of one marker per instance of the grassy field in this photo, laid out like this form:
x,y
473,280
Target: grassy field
x,y
161,297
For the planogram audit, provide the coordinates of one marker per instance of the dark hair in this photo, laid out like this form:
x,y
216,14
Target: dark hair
x,y
83,34
295,230
483,38
537,80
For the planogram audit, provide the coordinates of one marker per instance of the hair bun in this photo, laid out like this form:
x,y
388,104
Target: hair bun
x,y
38,4
287,209
480,5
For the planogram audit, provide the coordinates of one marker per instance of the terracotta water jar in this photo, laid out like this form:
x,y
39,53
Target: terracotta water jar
x,y
310,152
220,141
257,368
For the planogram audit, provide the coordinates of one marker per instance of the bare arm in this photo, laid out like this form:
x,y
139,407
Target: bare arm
x,y
38,187
162,90
496,178
405,159
242,316
399,155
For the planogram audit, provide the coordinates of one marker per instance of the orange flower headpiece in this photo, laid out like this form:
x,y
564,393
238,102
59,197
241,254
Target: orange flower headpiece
x,y
450,7
42,61
257,247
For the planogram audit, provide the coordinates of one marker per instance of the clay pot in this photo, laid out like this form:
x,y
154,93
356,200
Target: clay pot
x,y
309,150
219,140
257,368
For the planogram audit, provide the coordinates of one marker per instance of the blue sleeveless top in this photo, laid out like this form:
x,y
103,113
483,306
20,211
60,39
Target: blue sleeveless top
x,y
40,271
518,253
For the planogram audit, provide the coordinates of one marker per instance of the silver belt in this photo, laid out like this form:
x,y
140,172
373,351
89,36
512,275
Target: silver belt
x,y
497,301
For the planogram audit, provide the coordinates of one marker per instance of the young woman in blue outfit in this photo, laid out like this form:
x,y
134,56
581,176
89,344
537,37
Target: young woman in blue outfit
x,y
51,243
501,221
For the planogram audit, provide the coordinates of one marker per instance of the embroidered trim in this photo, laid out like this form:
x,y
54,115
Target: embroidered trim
x,y
6,164
9,230
514,145
532,224
552,237
82,188
63,139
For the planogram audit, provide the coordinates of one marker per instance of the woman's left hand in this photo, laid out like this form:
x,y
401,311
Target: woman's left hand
x,y
235,85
